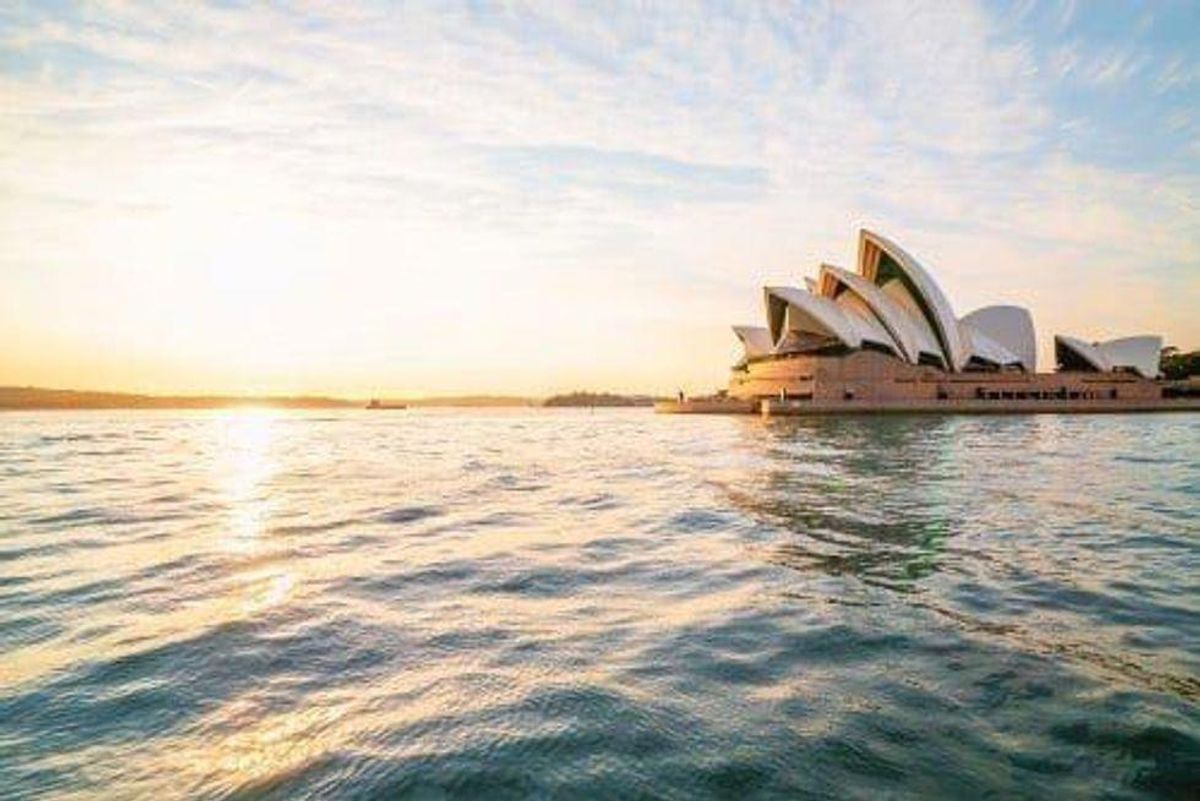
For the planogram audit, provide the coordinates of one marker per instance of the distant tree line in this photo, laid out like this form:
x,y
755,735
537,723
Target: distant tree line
x,y
42,398
1177,365
598,399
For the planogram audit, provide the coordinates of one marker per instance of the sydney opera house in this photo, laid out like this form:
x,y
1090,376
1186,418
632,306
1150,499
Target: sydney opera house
x,y
885,335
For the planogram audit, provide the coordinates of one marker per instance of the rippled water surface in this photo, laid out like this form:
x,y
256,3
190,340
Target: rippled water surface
x,y
564,604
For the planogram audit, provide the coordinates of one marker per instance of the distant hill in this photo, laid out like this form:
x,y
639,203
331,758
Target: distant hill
x,y
598,399
40,398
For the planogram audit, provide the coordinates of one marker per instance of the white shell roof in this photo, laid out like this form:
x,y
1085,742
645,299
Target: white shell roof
x,y
1009,326
755,339
793,309
1086,351
1140,353
860,315
985,348
910,335
910,316
943,321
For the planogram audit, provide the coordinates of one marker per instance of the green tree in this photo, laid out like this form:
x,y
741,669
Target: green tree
x,y
1177,365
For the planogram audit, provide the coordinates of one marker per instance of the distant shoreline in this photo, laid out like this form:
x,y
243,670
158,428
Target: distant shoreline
x,y
597,399
42,399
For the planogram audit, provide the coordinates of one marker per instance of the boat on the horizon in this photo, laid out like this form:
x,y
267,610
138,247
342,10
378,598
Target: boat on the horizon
x,y
378,404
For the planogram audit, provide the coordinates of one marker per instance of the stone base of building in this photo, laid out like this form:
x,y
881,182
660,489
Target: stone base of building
x,y
869,376
869,382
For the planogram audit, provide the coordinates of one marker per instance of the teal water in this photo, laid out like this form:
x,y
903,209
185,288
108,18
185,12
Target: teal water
x,y
563,604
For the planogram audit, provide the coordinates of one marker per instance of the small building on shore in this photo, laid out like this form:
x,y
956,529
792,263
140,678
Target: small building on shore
x,y
886,335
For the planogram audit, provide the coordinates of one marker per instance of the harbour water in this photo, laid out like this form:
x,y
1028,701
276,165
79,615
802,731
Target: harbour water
x,y
564,604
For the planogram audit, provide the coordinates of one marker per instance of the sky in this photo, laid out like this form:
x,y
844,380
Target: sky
x,y
418,198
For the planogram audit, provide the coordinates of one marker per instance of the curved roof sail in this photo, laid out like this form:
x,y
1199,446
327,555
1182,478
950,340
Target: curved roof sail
x,y
1009,326
910,335
860,315
1073,353
887,265
987,350
792,310
755,339
1140,353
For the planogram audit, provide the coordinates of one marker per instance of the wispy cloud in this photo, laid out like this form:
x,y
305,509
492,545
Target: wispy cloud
x,y
544,148
1114,68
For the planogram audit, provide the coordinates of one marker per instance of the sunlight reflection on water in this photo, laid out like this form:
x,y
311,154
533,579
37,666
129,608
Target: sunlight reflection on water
x,y
243,469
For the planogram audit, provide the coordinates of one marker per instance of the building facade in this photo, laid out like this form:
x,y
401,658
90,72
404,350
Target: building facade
x,y
886,333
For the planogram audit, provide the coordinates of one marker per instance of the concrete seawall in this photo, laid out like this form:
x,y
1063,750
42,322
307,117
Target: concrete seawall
x,y
708,406
776,407
781,408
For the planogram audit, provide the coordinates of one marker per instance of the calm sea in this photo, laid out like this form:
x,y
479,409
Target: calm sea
x,y
564,604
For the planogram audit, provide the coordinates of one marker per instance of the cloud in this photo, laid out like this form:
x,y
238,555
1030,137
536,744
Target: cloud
x,y
710,146
1176,74
1067,9
1115,68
